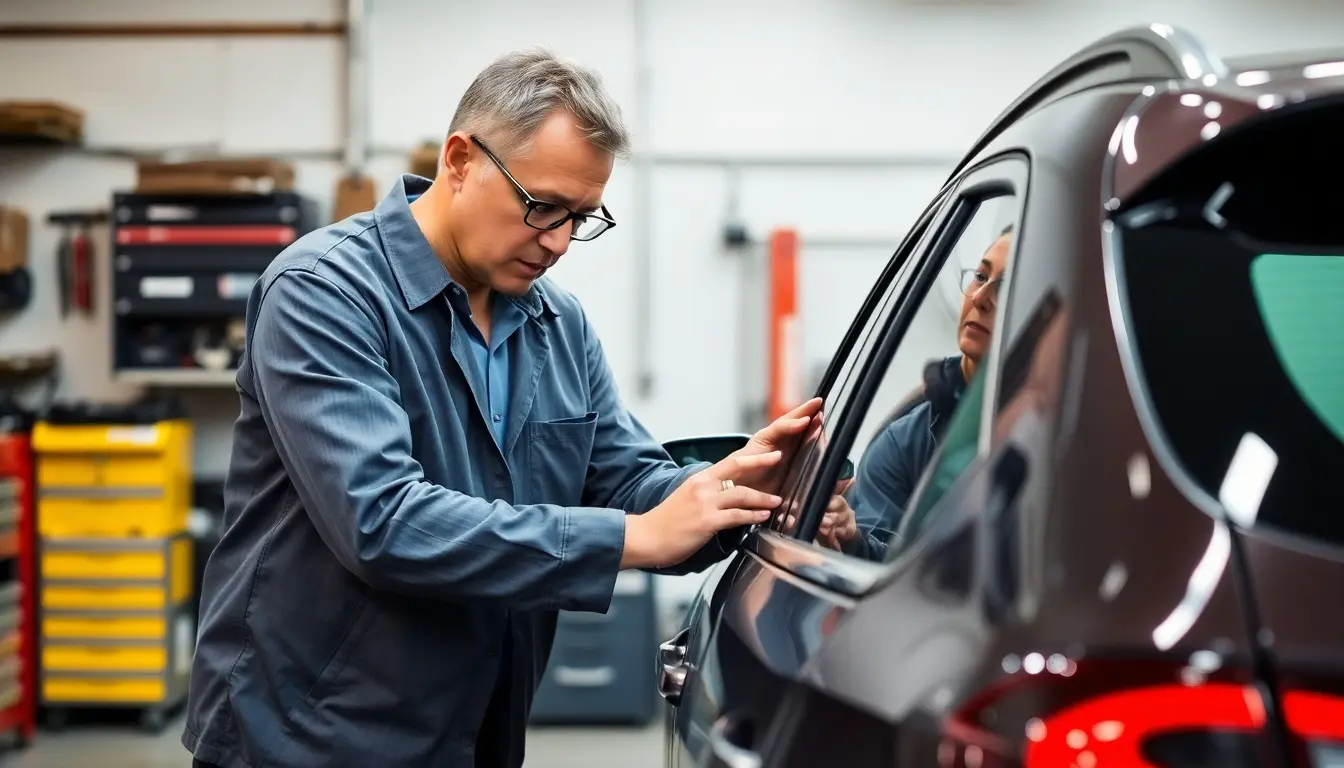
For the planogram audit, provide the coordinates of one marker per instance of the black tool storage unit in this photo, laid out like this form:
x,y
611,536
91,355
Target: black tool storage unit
x,y
601,667
183,266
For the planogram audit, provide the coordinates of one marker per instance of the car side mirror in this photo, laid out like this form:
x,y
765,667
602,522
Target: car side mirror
x,y
686,451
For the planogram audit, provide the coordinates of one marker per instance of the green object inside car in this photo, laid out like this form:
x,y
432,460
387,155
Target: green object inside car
x,y
959,448
1301,302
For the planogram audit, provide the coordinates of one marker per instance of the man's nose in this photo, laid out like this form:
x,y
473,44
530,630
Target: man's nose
x,y
556,241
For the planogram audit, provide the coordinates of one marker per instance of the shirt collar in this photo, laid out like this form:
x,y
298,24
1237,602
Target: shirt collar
x,y
419,273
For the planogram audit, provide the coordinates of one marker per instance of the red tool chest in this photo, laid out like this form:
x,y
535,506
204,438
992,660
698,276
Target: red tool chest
x,y
18,583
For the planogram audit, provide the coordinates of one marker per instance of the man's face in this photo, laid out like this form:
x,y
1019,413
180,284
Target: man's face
x,y
976,323
498,249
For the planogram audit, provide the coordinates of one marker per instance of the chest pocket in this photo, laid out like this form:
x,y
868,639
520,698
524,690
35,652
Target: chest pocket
x,y
558,454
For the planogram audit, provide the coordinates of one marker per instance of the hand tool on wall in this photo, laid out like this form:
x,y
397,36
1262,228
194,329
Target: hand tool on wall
x,y
16,281
74,259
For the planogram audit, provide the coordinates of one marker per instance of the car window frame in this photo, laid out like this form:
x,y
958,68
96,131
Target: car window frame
x,y
870,319
1005,174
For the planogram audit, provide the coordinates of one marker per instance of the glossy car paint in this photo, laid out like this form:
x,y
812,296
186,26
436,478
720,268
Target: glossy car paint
x,y
1288,578
1073,554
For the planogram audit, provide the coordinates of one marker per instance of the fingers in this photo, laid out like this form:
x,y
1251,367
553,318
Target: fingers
x,y
735,466
747,498
734,517
792,423
807,409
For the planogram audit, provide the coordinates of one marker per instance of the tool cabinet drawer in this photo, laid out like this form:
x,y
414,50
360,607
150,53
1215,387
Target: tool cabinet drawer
x,y
102,598
75,512
178,293
61,563
96,627
155,454
11,643
11,675
89,474
104,658
91,689
116,573
278,207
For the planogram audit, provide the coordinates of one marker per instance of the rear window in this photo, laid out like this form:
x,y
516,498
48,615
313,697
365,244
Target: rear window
x,y
1231,264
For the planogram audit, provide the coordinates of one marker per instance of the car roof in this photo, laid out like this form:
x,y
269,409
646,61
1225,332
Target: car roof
x,y
1282,60
1160,53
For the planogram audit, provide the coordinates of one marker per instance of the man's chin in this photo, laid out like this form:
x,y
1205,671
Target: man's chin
x,y
513,286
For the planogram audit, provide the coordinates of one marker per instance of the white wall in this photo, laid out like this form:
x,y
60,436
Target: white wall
x,y
727,77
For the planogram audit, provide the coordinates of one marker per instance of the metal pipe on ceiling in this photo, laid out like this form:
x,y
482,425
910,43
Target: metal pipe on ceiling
x,y
641,160
820,162
213,29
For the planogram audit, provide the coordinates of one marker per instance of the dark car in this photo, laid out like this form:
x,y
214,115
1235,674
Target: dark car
x,y
1103,525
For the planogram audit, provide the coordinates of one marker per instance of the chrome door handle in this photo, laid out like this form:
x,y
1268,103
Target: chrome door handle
x,y
725,752
672,667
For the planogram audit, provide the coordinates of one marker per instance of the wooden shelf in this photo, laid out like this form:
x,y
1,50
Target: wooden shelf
x,y
169,377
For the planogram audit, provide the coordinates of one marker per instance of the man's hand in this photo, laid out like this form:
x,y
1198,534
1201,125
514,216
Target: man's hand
x,y
701,507
838,525
785,435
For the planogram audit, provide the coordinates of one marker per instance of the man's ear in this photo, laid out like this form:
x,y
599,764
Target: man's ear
x,y
455,159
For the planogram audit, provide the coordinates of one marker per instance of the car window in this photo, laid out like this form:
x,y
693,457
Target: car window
x,y
952,301
1230,267
921,429
867,325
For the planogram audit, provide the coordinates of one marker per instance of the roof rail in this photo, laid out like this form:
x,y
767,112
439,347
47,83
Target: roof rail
x,y
1156,51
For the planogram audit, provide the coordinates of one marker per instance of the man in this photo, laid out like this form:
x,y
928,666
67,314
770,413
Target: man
x,y
894,461
432,458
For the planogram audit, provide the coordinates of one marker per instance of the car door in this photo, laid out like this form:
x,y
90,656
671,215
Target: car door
x,y
692,659
748,698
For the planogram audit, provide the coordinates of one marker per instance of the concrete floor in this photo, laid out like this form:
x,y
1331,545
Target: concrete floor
x,y
123,747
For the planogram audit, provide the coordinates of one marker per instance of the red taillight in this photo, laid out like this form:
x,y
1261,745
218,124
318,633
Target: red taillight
x,y
1314,716
1115,714
1110,730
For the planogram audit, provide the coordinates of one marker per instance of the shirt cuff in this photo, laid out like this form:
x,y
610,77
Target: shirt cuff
x,y
590,559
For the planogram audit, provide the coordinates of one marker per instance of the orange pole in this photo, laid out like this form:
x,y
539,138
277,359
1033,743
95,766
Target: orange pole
x,y
784,374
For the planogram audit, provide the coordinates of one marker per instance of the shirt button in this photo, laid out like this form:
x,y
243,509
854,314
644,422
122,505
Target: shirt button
x,y
496,418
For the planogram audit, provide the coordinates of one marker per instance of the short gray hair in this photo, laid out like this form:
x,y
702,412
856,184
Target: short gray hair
x,y
509,99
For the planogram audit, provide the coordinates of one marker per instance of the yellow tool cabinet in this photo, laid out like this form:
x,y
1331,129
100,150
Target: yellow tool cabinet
x,y
116,566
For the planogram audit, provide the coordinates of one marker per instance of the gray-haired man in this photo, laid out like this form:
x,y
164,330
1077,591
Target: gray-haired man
x,y
432,458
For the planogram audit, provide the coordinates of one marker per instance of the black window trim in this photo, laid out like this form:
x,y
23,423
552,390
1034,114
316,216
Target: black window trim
x,y
1005,174
870,313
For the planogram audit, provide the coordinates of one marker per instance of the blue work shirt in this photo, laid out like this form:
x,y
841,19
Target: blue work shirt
x,y
380,548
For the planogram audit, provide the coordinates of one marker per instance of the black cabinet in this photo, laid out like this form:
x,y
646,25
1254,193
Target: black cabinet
x,y
183,266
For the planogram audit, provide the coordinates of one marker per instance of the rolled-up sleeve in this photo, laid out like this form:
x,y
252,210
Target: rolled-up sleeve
x,y
629,469
319,368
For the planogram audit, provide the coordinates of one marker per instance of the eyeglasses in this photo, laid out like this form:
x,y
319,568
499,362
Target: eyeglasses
x,y
546,216
973,281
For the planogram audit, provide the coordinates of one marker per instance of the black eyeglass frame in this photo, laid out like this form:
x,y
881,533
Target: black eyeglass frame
x,y
532,203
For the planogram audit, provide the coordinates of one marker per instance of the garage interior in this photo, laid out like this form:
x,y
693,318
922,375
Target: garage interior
x,y
782,149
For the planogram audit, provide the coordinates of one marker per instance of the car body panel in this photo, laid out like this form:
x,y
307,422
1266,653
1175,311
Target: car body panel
x,y
1072,557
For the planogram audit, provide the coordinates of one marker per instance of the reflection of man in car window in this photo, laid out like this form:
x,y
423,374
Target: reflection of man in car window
x,y
897,456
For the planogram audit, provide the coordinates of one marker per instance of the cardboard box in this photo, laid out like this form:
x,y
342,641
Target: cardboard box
x,y
13,239
41,121
241,175
425,160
